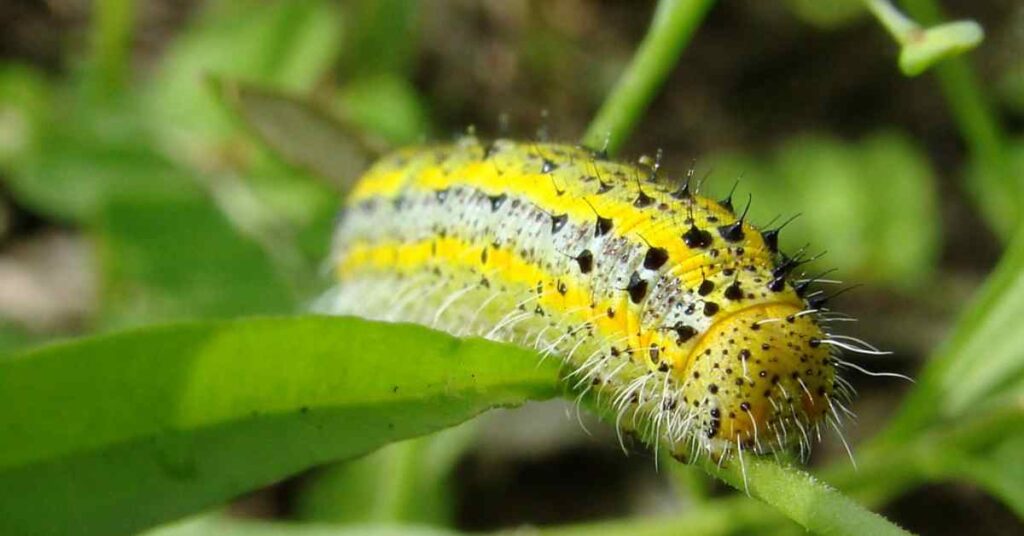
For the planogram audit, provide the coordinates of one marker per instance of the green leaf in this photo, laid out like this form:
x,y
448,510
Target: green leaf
x,y
268,196
299,132
214,526
982,448
1004,472
84,154
285,45
871,204
13,337
382,37
986,354
386,106
1000,470
971,449
177,258
983,358
903,221
118,433
827,185
923,48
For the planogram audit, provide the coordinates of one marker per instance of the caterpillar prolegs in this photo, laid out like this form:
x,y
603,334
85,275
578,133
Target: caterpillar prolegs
x,y
684,318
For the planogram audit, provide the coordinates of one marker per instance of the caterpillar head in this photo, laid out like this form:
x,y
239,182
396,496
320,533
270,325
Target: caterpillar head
x,y
760,379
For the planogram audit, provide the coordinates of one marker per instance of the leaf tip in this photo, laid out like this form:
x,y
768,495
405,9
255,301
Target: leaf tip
x,y
924,48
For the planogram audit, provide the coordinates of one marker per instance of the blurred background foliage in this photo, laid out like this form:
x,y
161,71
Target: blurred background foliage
x,y
153,170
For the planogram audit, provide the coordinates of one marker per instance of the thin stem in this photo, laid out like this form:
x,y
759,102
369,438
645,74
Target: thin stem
x,y
898,25
396,482
113,27
813,504
724,517
985,139
979,127
794,493
674,24
690,482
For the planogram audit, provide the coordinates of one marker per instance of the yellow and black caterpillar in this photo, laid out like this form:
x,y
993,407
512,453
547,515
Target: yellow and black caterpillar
x,y
681,316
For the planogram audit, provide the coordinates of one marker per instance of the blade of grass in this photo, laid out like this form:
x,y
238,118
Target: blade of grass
x,y
887,469
977,358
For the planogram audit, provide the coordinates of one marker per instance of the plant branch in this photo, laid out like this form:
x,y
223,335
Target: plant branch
x,y
792,492
112,31
920,48
813,504
898,25
998,190
674,24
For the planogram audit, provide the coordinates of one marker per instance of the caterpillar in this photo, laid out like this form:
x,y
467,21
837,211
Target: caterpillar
x,y
669,307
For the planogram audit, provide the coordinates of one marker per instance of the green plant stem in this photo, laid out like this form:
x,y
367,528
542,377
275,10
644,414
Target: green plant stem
x,y
976,120
723,517
674,24
112,33
732,515
794,493
813,504
690,482
396,482
882,472
898,25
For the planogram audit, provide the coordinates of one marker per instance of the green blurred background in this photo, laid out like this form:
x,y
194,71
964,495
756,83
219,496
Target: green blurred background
x,y
133,191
